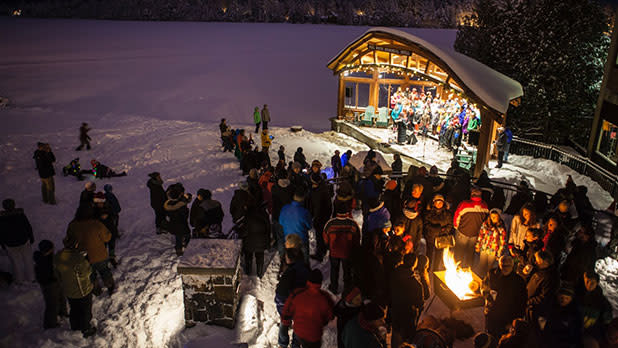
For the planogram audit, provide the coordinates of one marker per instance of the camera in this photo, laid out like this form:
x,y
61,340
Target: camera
x,y
271,137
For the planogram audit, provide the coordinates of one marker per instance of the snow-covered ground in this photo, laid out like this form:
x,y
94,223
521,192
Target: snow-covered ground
x,y
153,94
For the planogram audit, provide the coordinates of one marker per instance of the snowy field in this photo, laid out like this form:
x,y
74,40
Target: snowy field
x,y
153,94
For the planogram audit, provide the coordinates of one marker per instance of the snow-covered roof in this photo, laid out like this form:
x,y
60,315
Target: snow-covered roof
x,y
493,88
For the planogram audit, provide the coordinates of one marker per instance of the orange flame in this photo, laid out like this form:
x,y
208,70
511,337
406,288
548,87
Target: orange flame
x,y
459,280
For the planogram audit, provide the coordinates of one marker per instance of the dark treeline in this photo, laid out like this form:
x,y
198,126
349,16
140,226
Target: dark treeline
x,y
401,13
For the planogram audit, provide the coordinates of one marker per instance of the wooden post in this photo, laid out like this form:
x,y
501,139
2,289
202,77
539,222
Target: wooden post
x,y
340,97
487,130
374,90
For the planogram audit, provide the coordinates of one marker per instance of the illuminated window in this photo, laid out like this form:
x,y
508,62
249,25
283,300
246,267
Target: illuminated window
x,y
398,60
383,57
367,58
608,143
356,95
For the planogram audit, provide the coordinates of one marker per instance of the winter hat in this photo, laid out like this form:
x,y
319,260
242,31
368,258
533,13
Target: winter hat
x,y
349,297
243,185
316,163
93,162
438,197
283,183
175,191
391,185
495,211
8,204
315,276
154,174
107,188
371,311
99,197
90,186
296,165
45,246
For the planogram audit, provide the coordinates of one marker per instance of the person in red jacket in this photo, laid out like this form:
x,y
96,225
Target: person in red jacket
x,y
310,309
341,235
467,221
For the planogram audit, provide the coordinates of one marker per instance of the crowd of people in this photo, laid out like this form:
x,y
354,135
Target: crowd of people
x,y
536,255
451,119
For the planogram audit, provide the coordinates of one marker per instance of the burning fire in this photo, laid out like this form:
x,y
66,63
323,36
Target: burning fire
x,y
460,281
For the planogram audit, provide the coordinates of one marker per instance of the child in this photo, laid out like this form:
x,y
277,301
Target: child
x,y
55,303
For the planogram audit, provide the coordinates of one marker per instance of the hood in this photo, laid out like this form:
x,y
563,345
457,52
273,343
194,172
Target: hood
x,y
173,205
209,204
108,188
284,183
410,214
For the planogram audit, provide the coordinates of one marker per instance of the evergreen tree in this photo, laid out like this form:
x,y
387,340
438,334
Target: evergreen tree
x,y
555,49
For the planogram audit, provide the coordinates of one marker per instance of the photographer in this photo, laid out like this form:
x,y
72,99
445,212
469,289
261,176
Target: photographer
x,y
266,140
44,158
177,215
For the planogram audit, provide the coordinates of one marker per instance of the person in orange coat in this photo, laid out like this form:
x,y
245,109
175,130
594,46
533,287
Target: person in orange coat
x,y
310,309
92,236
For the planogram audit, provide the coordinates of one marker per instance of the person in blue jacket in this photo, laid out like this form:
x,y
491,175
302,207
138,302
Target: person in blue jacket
x,y
295,219
345,158
509,138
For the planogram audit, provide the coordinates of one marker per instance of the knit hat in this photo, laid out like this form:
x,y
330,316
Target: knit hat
x,y
391,185
349,297
90,186
316,163
154,174
371,311
438,197
45,246
315,276
495,211
99,197
108,188
94,162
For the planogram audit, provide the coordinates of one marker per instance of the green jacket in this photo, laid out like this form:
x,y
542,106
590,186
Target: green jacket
x,y
474,123
257,118
73,271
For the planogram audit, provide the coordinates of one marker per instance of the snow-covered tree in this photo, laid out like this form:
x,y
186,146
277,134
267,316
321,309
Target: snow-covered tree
x,y
555,49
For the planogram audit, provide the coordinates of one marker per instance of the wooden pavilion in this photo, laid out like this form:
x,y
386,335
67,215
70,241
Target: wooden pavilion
x,y
374,65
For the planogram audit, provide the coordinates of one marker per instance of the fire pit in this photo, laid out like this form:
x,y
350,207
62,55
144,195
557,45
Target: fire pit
x,y
458,288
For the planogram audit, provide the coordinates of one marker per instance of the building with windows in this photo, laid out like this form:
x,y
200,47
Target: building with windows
x,y
603,143
383,61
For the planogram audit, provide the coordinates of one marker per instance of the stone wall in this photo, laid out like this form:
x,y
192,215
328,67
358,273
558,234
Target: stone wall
x,y
211,294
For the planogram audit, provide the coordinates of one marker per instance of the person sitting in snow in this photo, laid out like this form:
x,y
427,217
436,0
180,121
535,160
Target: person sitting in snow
x,y
102,171
74,169
84,138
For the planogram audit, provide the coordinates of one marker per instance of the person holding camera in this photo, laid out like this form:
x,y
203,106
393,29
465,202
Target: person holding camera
x,y
44,158
178,213
266,140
